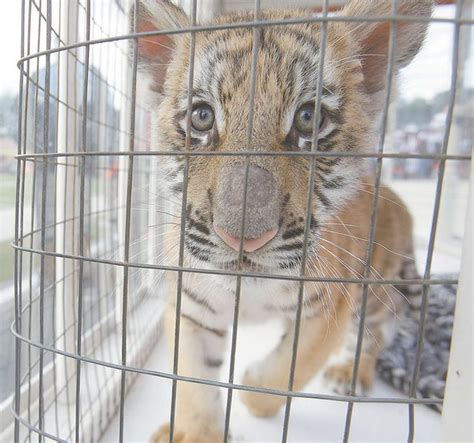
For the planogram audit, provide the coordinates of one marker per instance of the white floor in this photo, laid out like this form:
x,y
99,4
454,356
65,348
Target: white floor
x,y
148,403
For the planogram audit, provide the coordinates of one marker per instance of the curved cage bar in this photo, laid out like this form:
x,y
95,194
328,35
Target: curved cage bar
x,y
91,214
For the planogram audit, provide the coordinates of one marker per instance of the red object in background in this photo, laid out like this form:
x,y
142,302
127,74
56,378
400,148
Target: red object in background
x,y
112,170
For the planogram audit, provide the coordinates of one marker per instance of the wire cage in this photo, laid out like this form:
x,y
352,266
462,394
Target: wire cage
x,y
87,279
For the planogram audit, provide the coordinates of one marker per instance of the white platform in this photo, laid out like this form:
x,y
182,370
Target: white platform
x,y
148,404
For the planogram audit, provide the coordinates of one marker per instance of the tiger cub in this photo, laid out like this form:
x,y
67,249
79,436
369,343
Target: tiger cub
x,y
285,91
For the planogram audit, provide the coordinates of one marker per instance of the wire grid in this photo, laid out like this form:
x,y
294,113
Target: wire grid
x,y
83,249
70,101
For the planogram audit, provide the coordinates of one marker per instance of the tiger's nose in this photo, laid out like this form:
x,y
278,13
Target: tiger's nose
x,y
262,207
249,244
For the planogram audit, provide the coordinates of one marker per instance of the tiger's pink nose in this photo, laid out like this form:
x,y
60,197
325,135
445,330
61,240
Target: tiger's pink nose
x,y
250,244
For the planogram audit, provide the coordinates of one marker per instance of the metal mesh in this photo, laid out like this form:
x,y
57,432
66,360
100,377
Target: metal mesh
x,y
85,255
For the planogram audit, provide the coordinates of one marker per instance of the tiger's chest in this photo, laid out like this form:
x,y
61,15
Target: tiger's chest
x,y
212,299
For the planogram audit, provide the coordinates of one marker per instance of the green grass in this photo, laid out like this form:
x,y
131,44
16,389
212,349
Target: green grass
x,y
8,190
7,263
7,200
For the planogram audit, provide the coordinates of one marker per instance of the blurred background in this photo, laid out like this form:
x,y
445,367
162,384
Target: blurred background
x,y
417,120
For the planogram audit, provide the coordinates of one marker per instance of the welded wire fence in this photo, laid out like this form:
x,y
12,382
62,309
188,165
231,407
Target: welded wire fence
x,y
86,244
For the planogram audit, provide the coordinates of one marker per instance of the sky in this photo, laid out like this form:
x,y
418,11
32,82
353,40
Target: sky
x,y
430,71
425,77
10,23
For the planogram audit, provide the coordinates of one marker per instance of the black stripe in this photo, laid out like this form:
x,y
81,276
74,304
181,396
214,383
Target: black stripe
x,y
201,240
247,261
202,254
199,226
292,233
333,183
288,264
329,161
325,144
290,79
189,208
200,301
293,258
209,196
217,332
290,247
213,362
181,131
177,187
322,198
322,170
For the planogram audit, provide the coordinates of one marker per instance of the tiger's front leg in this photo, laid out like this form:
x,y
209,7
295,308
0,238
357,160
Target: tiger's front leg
x,y
199,415
319,338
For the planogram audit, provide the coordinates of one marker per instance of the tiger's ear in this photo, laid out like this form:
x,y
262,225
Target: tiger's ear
x,y
373,37
155,52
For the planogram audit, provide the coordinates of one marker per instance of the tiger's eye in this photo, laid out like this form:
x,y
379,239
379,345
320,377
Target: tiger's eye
x,y
202,118
304,119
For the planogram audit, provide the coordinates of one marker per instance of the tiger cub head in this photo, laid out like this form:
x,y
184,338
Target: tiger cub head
x,y
287,61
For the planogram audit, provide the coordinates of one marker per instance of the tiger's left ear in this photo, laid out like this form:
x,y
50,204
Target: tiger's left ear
x,y
155,51
373,37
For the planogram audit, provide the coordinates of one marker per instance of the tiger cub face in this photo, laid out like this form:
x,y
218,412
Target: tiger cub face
x,y
288,60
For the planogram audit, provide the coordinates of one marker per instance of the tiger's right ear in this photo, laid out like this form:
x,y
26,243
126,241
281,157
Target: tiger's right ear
x,y
155,52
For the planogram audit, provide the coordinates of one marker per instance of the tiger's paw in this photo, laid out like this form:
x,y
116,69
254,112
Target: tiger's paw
x,y
206,436
260,405
338,378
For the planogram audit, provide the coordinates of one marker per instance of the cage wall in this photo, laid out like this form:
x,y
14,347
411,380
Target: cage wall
x,y
89,248
76,100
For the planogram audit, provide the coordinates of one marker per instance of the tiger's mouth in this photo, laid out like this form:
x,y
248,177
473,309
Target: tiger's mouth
x,y
279,249
249,245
